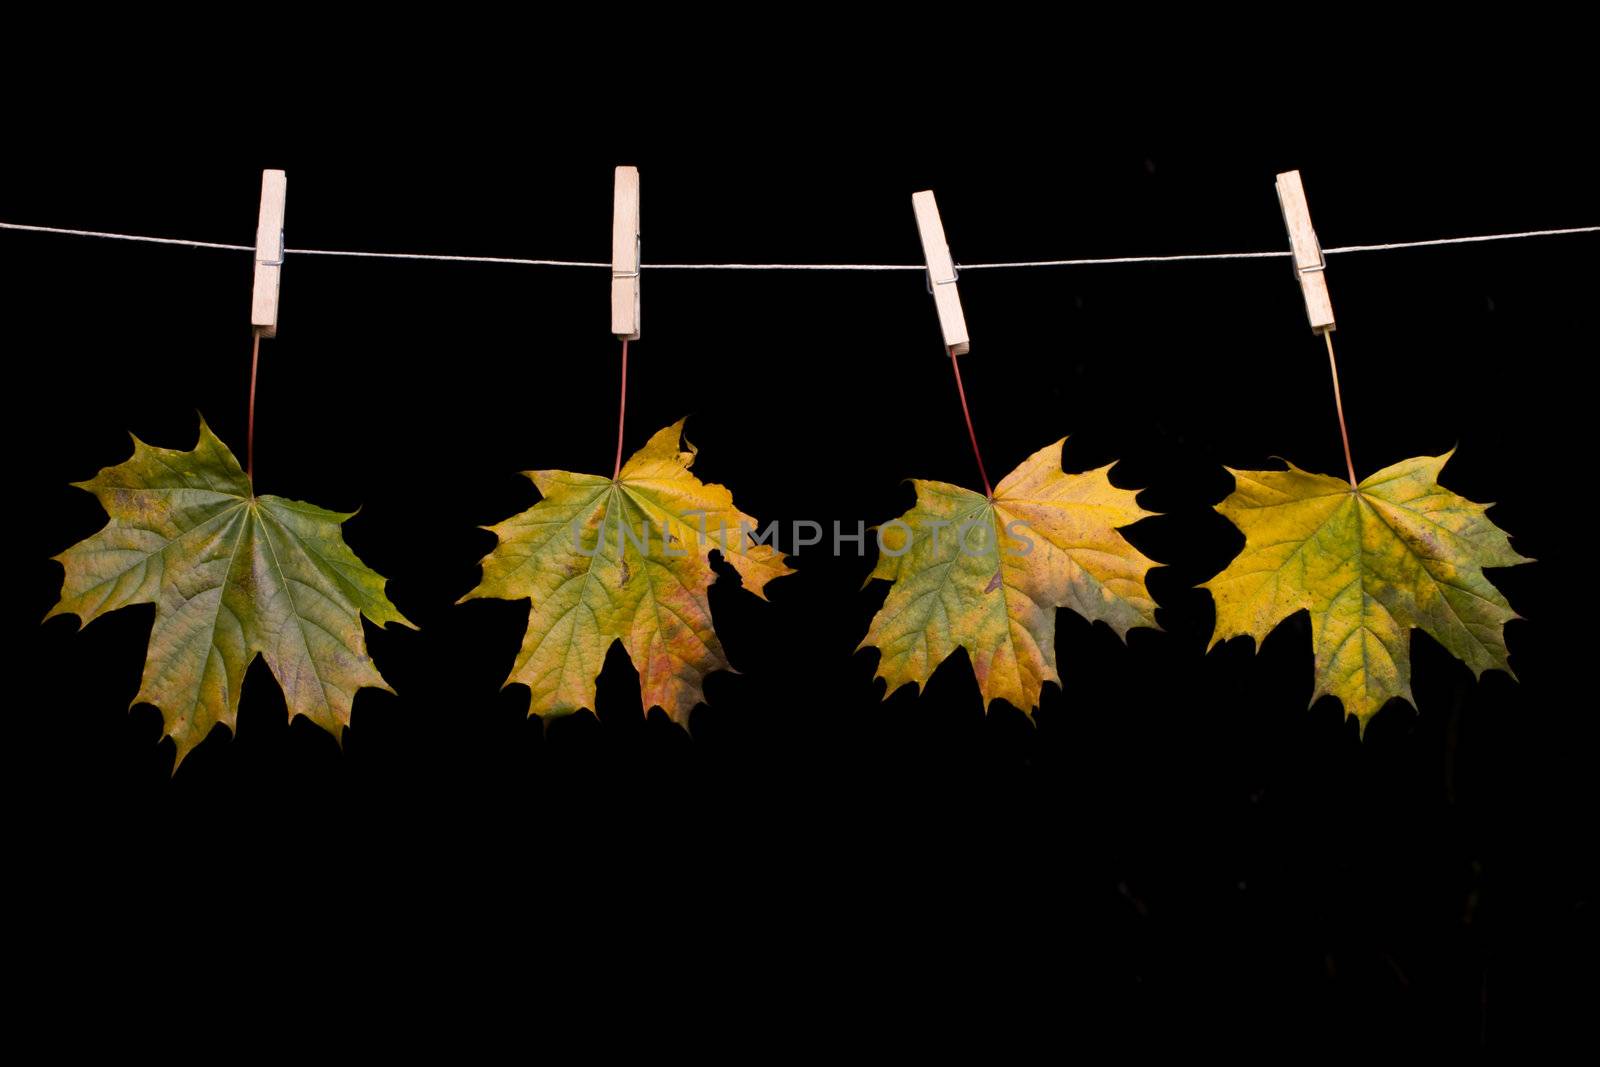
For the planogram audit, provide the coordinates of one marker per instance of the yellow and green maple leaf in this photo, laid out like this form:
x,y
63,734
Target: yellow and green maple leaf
x,y
987,575
232,575
624,559
1370,563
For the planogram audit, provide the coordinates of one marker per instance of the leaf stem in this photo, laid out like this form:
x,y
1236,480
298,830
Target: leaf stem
x,y
250,430
955,365
1338,404
622,411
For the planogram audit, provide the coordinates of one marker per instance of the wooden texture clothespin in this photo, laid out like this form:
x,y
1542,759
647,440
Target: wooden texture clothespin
x,y
625,255
941,272
1309,263
269,253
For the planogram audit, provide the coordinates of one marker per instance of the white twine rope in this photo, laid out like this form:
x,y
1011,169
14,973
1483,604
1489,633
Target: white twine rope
x,y
1093,262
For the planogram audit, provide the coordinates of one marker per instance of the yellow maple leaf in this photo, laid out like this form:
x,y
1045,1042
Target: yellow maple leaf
x,y
987,575
624,559
1371,563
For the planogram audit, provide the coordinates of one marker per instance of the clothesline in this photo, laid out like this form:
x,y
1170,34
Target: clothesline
x,y
1088,262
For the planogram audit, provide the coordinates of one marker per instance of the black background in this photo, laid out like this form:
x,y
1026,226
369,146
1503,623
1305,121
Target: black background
x,y
1176,848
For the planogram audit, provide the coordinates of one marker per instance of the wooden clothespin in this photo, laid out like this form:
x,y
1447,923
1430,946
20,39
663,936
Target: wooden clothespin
x,y
1309,263
941,272
269,253
625,255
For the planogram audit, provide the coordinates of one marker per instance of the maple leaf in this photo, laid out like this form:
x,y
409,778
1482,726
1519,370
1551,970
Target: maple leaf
x,y
1370,563
231,574
623,559
987,575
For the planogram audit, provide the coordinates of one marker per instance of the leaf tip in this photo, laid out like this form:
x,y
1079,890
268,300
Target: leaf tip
x,y
1027,712
179,753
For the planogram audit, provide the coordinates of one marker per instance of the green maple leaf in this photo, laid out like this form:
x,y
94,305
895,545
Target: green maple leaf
x,y
232,575
1370,563
987,574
